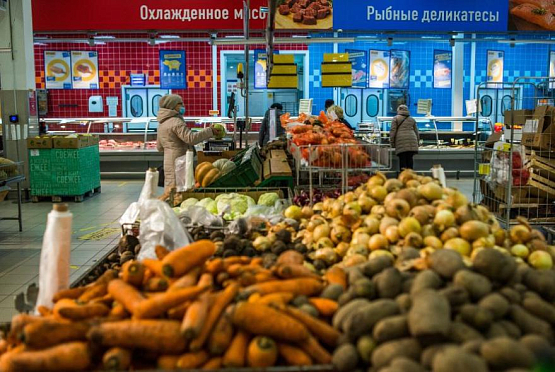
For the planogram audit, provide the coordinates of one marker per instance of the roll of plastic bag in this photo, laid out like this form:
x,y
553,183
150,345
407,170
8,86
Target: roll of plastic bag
x,y
190,170
439,174
180,171
55,255
131,214
160,226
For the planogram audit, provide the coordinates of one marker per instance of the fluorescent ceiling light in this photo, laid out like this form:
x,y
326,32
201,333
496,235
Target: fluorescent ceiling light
x,y
169,36
107,37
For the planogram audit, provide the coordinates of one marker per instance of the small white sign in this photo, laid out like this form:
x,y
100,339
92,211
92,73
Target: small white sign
x,y
471,106
34,152
531,126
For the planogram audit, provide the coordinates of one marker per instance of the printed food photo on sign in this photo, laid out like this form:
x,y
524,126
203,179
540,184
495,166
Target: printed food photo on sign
x,y
58,70
304,14
379,69
85,70
400,69
532,15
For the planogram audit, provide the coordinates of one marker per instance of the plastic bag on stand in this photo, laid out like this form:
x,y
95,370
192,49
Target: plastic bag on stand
x,y
196,215
131,215
55,255
160,226
181,173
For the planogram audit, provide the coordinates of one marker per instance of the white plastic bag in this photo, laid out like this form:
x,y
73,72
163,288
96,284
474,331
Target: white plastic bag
x,y
185,172
160,226
55,254
131,214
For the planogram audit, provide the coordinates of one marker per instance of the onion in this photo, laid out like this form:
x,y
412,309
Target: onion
x,y
502,250
413,184
473,230
354,260
341,249
328,204
397,208
386,222
393,185
324,243
378,193
537,245
351,213
392,234
441,205
327,255
340,234
484,213
500,235
431,191
457,199
366,203
428,230
321,231
307,212
349,197
361,190
444,219
421,214
409,195
520,250
378,241
540,260
484,242
407,175
450,233
536,234
467,213
426,179
378,210
413,240
427,252
389,197
337,208
409,225
376,181
381,252
358,249
433,241
360,239
520,234
373,225
459,245
314,223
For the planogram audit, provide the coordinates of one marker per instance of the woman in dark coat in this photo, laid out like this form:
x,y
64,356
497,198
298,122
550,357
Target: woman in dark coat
x,y
404,137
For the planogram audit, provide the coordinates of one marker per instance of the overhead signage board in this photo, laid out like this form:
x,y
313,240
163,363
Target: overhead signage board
x,y
173,71
421,15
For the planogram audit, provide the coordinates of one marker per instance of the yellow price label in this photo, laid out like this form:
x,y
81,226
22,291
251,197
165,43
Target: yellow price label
x,y
506,147
484,169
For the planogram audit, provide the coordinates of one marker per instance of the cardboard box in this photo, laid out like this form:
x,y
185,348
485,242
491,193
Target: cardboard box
x,y
517,117
213,156
93,140
539,131
70,143
277,167
278,154
39,143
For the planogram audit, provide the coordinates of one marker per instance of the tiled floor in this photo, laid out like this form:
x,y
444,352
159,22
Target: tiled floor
x,y
20,252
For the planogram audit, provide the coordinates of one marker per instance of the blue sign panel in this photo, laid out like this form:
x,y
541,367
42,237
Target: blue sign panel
x,y
173,70
359,59
421,15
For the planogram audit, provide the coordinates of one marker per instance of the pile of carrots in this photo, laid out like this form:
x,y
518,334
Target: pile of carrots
x,y
183,310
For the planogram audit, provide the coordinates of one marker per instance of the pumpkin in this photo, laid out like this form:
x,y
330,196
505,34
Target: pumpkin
x,y
206,174
202,169
224,165
212,175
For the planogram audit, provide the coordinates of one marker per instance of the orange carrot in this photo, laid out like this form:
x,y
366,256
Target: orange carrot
x,y
178,312
167,362
125,294
70,309
72,293
95,291
318,328
316,351
181,261
236,354
220,303
325,306
222,277
44,311
262,277
235,260
279,298
291,271
133,273
161,252
107,300
246,279
156,284
118,312
301,286
73,356
186,281
213,364
206,280
293,355
40,335
336,275
255,318
255,297
107,277
214,266
236,270
193,360
158,305
195,317
290,257
262,352
19,322
153,265
116,359
221,336
153,335
256,261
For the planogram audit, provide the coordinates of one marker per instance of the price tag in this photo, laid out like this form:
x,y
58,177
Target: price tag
x,y
484,169
34,152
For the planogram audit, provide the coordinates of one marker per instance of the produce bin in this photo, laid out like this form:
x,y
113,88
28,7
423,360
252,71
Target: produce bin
x,y
248,172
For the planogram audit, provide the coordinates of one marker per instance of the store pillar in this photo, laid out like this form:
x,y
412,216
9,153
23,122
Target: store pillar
x,y
17,80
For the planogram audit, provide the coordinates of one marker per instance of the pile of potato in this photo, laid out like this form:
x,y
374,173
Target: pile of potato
x,y
183,310
409,218
495,316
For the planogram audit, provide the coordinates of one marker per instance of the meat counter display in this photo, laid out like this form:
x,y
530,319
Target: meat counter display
x,y
128,145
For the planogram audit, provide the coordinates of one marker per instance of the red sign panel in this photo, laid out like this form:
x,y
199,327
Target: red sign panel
x,y
130,15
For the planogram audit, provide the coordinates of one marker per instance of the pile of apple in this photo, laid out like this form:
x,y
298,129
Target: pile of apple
x,y
409,218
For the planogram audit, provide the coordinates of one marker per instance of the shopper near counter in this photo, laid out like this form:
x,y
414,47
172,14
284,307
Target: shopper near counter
x,y
404,137
338,111
329,103
174,138
264,134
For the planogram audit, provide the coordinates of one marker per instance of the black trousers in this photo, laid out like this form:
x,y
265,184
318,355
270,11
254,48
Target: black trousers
x,y
405,160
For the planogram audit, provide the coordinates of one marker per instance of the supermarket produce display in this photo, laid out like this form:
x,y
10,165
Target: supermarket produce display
x,y
396,275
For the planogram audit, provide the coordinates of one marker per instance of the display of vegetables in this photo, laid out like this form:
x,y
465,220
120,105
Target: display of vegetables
x,y
210,314
206,174
303,198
